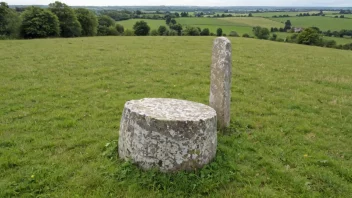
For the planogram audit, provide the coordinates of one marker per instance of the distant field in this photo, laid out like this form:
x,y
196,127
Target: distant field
x,y
154,24
62,102
239,24
253,21
271,14
324,23
337,14
214,23
339,41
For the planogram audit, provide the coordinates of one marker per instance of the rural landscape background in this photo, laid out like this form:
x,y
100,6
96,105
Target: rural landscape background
x,y
67,71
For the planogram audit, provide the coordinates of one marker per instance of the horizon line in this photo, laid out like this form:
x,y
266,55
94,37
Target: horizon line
x,y
300,6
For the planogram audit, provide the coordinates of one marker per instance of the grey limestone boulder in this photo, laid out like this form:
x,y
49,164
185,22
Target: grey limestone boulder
x,y
168,134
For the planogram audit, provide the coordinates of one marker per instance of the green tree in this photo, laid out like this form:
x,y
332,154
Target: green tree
x,y
205,32
120,28
128,33
9,21
191,31
261,33
173,21
168,19
250,15
104,22
154,33
219,32
287,25
178,28
309,36
39,23
69,24
88,21
141,28
161,30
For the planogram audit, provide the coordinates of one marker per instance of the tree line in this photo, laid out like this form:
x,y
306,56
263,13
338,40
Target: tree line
x,y
309,36
57,20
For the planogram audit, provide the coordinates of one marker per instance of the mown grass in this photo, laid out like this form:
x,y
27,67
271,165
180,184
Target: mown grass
x,y
62,100
324,23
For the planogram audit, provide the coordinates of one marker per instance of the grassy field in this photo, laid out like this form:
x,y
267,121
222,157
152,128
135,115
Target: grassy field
x,y
271,14
153,24
239,24
214,23
62,101
324,23
253,21
338,40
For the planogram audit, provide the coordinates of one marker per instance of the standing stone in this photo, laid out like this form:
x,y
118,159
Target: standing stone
x,y
168,134
220,80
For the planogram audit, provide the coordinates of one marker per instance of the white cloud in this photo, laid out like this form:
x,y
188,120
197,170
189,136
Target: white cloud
x,y
335,3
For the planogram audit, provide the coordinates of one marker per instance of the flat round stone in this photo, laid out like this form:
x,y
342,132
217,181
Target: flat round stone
x,y
168,134
170,109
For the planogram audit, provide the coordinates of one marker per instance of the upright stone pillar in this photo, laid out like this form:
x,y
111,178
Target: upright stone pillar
x,y
220,80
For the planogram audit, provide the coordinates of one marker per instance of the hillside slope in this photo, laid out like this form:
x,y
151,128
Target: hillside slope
x,y
62,101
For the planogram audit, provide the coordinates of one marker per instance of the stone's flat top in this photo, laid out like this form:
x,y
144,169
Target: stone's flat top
x,y
171,109
222,39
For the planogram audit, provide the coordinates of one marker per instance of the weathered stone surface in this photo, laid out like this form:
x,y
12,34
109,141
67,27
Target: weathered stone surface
x,y
220,80
168,134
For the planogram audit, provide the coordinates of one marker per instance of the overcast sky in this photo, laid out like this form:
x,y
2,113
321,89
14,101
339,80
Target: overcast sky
x,y
335,3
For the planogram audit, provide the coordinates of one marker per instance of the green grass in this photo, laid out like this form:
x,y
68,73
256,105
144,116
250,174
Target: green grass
x,y
292,14
153,24
253,21
214,23
62,101
324,23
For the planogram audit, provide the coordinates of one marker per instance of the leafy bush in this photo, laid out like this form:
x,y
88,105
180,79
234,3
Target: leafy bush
x,y
154,33
234,34
309,36
205,32
274,37
141,28
120,28
112,31
173,33
330,43
245,35
128,33
191,31
161,30
178,28
261,33
105,22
